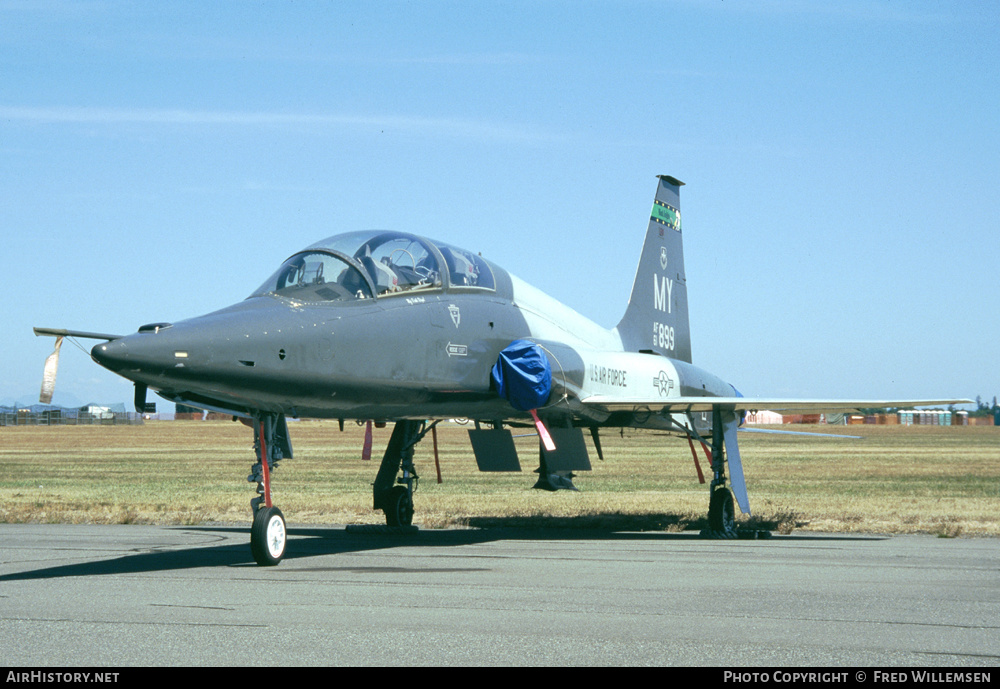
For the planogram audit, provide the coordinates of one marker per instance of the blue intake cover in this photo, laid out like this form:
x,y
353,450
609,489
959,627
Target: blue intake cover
x,y
522,375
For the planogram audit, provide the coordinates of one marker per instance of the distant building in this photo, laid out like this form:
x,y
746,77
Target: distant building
x,y
50,415
763,417
934,417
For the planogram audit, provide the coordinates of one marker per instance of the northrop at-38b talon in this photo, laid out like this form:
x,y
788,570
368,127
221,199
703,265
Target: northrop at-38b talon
x,y
389,326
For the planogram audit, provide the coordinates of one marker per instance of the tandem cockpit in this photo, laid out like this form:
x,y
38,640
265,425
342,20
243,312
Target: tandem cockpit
x,y
374,264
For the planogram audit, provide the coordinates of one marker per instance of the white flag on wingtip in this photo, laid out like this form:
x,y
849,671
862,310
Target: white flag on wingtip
x,y
49,374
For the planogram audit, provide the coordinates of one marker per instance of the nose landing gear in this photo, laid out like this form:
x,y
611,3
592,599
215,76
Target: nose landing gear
x,y
268,535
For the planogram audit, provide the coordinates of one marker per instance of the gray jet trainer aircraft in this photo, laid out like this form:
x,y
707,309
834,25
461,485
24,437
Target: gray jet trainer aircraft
x,y
389,326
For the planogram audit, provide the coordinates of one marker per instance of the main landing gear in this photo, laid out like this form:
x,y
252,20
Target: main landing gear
x,y
268,535
721,513
392,495
721,508
721,502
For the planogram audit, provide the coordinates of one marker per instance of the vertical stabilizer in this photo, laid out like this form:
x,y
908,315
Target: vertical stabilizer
x,y
657,315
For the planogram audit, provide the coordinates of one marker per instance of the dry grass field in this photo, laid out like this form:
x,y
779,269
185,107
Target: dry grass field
x,y
917,479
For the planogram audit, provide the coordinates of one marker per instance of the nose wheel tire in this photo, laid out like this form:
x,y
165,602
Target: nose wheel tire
x,y
268,536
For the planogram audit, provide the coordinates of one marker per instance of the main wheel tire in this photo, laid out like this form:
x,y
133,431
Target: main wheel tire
x,y
721,513
399,507
268,536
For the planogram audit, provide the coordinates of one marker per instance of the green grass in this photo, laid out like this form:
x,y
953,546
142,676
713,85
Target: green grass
x,y
943,480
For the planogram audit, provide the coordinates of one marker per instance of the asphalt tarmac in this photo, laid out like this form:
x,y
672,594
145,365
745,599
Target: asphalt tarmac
x,y
117,596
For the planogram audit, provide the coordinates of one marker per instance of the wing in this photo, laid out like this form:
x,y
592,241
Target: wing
x,y
730,407
685,404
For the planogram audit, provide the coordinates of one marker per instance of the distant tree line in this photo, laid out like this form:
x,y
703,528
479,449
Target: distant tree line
x,y
983,409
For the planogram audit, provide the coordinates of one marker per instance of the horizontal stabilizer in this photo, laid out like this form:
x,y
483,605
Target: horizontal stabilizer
x,y
772,431
554,482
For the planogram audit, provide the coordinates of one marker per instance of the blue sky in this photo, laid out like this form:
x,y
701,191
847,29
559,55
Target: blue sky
x,y
159,160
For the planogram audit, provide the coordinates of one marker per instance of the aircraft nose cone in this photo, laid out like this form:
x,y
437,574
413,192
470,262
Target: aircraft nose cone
x,y
135,353
111,355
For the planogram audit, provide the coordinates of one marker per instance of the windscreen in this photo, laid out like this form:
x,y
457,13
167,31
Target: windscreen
x,y
316,276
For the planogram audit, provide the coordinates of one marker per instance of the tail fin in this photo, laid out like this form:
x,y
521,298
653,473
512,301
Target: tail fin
x,y
657,315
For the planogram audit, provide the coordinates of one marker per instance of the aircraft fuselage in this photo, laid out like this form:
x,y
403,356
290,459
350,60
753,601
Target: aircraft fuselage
x,y
419,355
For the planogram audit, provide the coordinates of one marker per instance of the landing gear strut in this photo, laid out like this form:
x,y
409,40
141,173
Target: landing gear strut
x,y
267,533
